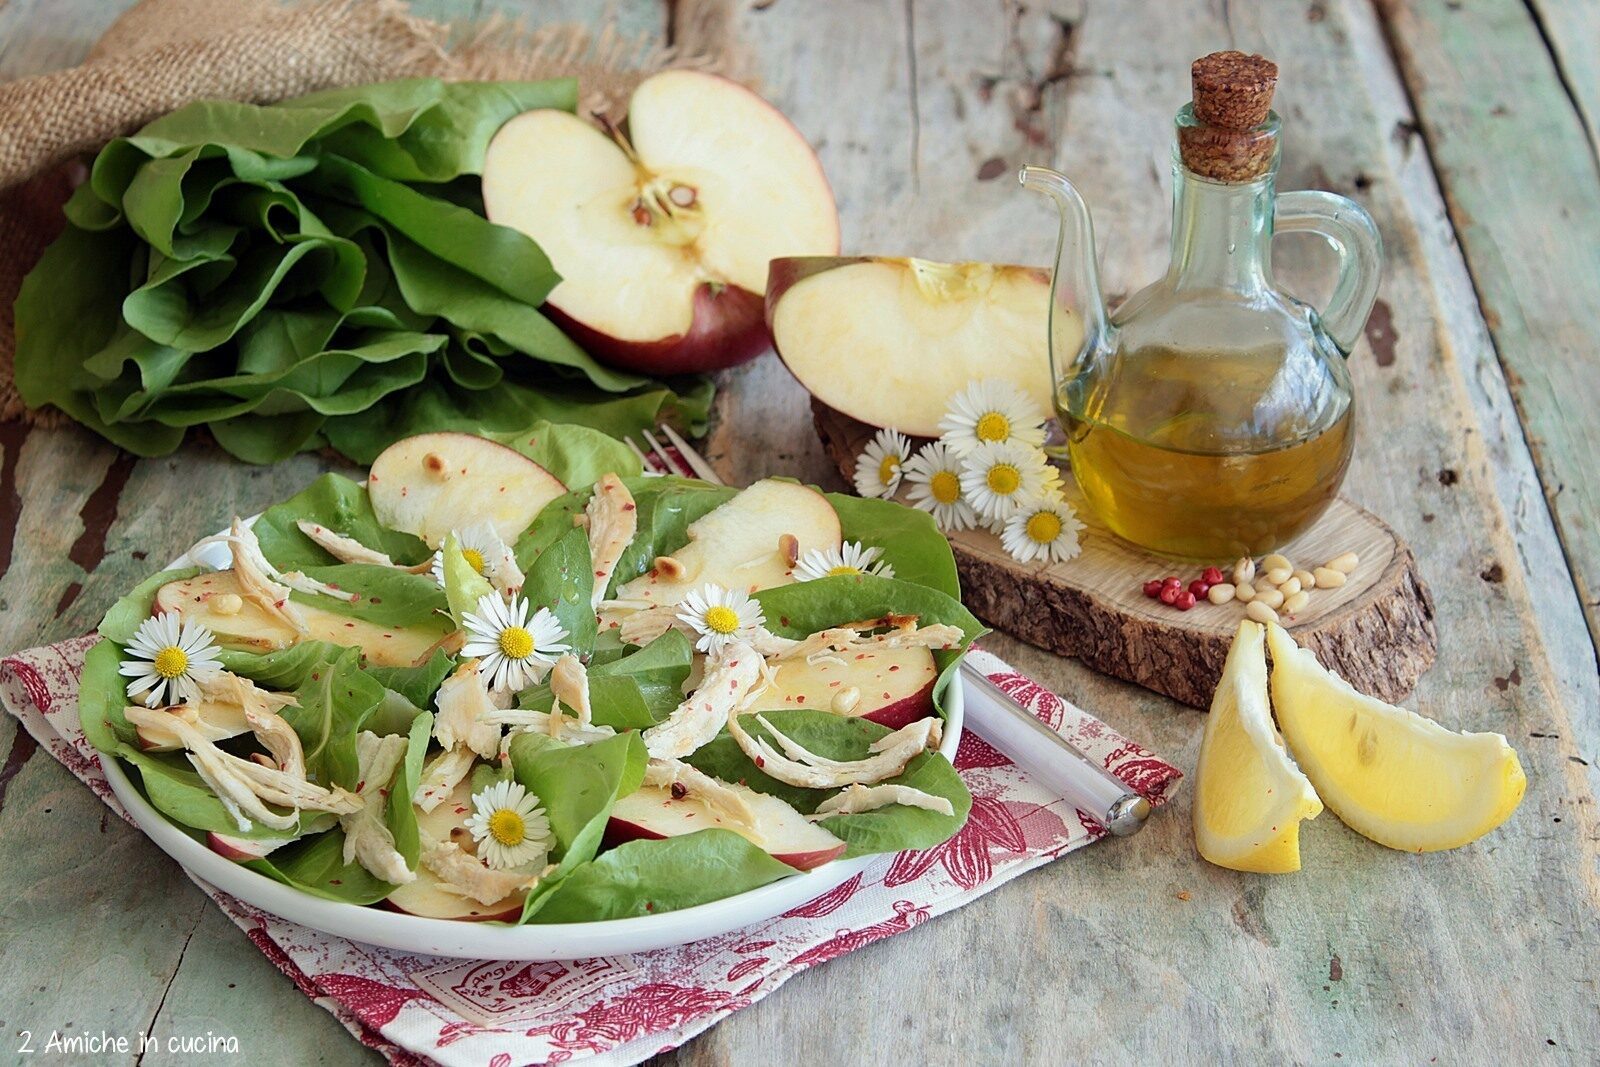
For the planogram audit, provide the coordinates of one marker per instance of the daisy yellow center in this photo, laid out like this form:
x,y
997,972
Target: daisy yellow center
x,y
722,619
1044,527
1004,479
946,487
843,568
888,469
507,827
993,426
474,559
516,642
171,662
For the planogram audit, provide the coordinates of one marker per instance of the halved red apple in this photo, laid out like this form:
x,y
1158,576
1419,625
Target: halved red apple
x,y
891,687
889,341
662,238
245,849
653,812
426,896
433,483
216,601
739,545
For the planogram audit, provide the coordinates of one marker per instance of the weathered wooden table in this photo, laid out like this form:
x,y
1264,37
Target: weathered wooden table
x,y
1468,128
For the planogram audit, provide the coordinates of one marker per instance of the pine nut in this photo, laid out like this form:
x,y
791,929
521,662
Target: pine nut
x,y
846,699
1307,579
1277,562
1244,571
1279,575
1260,612
1328,578
1296,602
1220,593
228,604
1244,592
789,549
669,568
1290,587
1270,597
1344,563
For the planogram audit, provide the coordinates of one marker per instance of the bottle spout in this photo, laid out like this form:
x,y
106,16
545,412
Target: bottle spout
x,y
1075,284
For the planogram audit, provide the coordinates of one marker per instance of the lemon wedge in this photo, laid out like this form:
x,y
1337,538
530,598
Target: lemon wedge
x,y
1390,774
1250,797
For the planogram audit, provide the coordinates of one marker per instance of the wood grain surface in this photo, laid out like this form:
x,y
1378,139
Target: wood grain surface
x,y
1475,441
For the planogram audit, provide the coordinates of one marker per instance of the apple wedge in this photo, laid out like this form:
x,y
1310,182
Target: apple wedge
x,y
433,483
890,341
653,812
662,237
740,544
891,687
215,719
427,896
216,601
245,849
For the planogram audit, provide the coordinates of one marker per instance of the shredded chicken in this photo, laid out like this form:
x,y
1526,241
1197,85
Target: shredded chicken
x,y
613,519
440,778
731,678
799,766
367,839
716,794
342,548
854,799
261,715
463,874
244,786
561,727
569,681
646,624
464,706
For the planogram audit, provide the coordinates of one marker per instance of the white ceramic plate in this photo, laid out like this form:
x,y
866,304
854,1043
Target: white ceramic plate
x,y
487,940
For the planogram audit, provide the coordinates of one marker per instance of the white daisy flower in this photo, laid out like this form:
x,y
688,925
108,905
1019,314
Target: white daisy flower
x,y
1042,529
515,650
992,411
721,615
850,558
934,475
172,653
878,466
509,826
484,552
995,478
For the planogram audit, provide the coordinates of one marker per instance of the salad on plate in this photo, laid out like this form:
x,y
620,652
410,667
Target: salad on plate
x,y
516,678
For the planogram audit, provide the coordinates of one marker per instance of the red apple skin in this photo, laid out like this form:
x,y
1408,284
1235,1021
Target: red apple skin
x,y
237,849
728,328
905,711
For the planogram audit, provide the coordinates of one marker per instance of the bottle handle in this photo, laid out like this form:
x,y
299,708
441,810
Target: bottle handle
x,y
1346,226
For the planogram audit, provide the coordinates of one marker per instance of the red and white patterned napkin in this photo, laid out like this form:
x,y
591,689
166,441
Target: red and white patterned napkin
x,y
623,1009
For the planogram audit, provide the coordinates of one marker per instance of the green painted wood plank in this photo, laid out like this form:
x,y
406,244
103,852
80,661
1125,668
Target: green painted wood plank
x,y
1572,28
1523,190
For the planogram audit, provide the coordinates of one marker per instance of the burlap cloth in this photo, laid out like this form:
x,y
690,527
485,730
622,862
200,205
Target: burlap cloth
x,y
162,54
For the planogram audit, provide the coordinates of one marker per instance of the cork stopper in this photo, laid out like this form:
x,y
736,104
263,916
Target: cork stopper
x,y
1224,135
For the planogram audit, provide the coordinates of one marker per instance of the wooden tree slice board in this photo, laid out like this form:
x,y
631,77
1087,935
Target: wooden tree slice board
x,y
1376,631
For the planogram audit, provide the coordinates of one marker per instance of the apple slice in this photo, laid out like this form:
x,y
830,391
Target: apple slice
x,y
737,545
653,813
433,483
216,601
890,341
662,243
891,687
217,720
427,896
245,849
